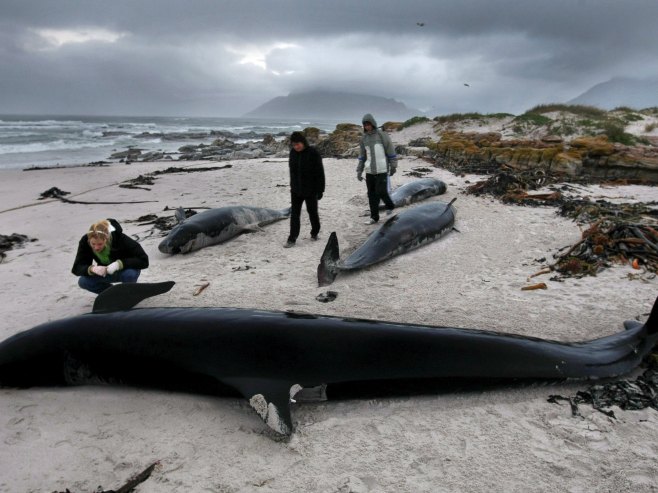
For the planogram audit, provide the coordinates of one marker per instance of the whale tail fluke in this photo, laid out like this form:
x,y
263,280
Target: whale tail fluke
x,y
125,296
327,270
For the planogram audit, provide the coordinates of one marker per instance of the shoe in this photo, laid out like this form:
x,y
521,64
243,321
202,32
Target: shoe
x,y
289,244
314,237
371,221
389,212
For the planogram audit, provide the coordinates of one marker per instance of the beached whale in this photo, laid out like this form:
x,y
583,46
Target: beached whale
x,y
217,225
415,191
405,231
267,356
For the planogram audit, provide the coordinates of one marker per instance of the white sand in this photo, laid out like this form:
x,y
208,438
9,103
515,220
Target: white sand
x,y
502,440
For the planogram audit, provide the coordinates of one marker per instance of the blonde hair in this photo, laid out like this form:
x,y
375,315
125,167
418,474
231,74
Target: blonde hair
x,y
99,231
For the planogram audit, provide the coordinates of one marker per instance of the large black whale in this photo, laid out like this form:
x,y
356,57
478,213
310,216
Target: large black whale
x,y
266,356
402,232
217,225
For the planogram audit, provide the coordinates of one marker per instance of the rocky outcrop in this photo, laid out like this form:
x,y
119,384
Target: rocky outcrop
x,y
343,142
592,157
223,149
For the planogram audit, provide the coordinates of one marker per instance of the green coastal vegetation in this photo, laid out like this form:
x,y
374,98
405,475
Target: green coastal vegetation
x,y
563,120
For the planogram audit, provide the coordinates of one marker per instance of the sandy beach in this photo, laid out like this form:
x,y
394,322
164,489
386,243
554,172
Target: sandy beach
x,y
508,439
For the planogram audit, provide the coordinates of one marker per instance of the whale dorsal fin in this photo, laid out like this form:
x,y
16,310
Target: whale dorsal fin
x,y
126,295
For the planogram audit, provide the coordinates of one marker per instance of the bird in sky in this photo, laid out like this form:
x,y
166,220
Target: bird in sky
x,y
420,24
466,84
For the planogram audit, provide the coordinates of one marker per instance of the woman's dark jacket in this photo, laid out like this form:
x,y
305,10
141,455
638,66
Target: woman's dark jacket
x,y
306,172
122,247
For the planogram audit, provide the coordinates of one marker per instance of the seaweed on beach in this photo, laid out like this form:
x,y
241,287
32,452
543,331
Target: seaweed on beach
x,y
130,485
56,193
163,224
586,211
53,193
632,395
176,169
9,242
512,186
608,242
615,233
139,182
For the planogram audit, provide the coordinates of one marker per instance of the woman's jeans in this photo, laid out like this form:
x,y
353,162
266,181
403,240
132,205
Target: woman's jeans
x,y
98,284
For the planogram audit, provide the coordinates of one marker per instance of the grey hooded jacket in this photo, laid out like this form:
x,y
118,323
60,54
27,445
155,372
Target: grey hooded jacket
x,y
377,152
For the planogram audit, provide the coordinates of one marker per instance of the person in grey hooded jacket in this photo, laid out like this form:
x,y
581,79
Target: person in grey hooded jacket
x,y
377,157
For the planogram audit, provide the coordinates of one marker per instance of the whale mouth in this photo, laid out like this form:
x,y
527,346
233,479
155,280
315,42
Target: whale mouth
x,y
166,247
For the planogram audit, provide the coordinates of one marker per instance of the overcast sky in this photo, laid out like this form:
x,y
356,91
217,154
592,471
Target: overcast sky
x,y
224,58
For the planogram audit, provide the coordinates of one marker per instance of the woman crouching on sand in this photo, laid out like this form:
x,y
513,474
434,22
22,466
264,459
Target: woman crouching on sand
x,y
106,255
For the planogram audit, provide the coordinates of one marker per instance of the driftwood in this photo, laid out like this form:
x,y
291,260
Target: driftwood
x,y
540,285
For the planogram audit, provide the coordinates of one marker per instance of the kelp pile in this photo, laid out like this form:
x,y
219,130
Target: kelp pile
x,y
512,186
8,242
626,394
607,242
614,234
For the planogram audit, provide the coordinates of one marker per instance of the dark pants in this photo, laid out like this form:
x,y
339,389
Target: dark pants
x,y
377,190
295,213
98,284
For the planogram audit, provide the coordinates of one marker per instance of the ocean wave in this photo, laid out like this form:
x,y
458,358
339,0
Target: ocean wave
x,y
56,145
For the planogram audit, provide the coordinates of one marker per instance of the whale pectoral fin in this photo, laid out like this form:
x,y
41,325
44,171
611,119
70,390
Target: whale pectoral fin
x,y
251,228
125,296
180,215
269,398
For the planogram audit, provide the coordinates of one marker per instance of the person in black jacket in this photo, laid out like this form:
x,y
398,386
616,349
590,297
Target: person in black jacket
x,y
306,185
106,255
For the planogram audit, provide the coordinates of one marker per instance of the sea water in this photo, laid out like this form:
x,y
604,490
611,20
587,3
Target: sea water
x,y
45,141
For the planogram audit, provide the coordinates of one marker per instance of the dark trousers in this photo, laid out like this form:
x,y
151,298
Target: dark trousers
x,y
377,190
295,213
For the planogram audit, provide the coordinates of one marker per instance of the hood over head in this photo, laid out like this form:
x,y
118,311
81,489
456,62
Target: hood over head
x,y
370,119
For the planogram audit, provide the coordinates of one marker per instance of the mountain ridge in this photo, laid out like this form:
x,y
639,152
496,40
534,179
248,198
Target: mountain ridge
x,y
620,91
333,105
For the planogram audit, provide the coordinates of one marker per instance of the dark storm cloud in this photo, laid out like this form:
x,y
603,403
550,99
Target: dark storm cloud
x,y
224,58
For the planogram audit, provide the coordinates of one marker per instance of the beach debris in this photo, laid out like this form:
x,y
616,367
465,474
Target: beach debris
x,y
327,297
200,288
241,268
9,242
138,182
546,270
54,193
511,186
534,287
130,485
609,242
614,234
587,211
419,172
177,169
626,394
165,223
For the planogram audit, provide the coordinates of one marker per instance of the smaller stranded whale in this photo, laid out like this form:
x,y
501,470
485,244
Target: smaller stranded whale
x,y
268,357
217,225
415,191
399,234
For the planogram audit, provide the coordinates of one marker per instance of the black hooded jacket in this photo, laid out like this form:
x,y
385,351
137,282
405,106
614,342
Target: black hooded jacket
x,y
122,247
306,172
